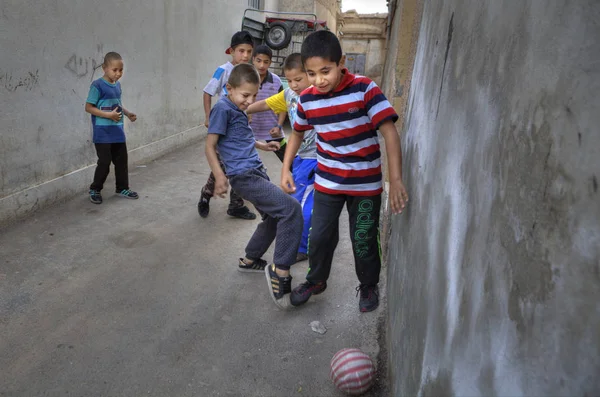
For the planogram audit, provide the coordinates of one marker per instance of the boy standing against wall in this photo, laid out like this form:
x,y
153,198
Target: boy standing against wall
x,y
240,51
346,111
105,106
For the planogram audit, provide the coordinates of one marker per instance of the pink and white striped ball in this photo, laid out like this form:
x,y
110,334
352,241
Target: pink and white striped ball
x,y
352,371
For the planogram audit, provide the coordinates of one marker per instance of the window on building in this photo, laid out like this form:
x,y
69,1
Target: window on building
x,y
254,4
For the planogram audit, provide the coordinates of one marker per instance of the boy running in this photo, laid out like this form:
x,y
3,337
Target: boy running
x,y
240,51
346,111
105,106
230,133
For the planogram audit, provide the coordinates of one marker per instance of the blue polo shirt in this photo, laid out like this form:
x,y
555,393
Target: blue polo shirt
x,y
236,140
106,96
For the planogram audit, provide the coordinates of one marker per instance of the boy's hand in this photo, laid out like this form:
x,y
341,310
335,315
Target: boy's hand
x,y
398,196
272,146
206,123
221,186
275,132
114,115
287,182
132,116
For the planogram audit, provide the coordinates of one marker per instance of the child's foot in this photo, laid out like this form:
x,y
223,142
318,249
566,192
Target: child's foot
x,y
369,297
203,206
130,194
248,266
301,257
242,213
303,292
95,196
279,287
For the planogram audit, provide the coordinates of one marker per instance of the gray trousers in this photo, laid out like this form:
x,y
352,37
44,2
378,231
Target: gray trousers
x,y
281,217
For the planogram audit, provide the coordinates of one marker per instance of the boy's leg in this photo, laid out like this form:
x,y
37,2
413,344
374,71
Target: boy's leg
x,y
280,153
322,241
119,159
324,235
364,233
282,219
103,168
304,178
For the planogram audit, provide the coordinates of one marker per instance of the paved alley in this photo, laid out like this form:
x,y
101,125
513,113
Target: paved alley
x,y
133,298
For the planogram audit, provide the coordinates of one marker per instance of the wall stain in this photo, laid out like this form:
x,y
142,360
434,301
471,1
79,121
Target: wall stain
x,y
27,82
450,32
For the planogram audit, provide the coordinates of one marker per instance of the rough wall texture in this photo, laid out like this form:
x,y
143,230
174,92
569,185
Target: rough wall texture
x,y
494,269
51,53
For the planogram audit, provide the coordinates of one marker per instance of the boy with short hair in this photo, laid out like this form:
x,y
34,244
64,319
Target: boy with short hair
x,y
267,126
240,50
305,162
346,111
107,110
230,133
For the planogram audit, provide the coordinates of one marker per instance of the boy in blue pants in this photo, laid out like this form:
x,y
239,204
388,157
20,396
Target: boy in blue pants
x,y
346,111
230,133
105,106
305,163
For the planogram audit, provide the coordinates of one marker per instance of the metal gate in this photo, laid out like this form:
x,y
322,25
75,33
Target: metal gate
x,y
356,63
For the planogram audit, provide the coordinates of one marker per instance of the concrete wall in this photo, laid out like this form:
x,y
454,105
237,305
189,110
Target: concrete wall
x,y
494,268
50,52
325,10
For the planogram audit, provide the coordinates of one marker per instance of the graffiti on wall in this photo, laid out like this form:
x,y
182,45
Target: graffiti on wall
x,y
11,82
82,66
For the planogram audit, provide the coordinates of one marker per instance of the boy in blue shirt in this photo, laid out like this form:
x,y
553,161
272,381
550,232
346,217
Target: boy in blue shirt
x,y
281,214
105,106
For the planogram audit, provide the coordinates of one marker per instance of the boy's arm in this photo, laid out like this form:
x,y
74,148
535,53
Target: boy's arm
x,y
206,99
132,116
272,146
113,115
398,196
213,161
257,107
291,149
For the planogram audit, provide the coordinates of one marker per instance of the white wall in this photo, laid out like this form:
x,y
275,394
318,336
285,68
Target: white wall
x,y
494,268
49,51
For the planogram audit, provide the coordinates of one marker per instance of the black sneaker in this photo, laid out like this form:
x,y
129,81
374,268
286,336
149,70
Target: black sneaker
x,y
369,297
130,194
257,266
301,256
279,287
95,196
203,206
301,293
242,213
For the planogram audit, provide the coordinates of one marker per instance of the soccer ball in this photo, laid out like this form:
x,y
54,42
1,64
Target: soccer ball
x,y
352,371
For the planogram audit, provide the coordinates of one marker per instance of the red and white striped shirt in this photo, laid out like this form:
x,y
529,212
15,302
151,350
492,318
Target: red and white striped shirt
x,y
346,122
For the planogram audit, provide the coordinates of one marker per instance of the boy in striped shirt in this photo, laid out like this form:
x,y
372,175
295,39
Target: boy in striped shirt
x,y
346,111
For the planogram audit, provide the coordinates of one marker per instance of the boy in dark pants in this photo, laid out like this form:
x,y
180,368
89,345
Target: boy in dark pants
x,y
104,104
281,214
346,111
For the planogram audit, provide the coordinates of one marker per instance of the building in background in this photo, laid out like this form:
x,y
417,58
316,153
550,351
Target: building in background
x,y
364,38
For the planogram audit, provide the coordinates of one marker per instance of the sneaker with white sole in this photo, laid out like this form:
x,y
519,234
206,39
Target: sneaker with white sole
x,y
279,287
130,194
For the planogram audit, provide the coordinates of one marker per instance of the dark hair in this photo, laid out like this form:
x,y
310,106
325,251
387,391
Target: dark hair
x,y
111,56
293,61
262,49
322,44
243,73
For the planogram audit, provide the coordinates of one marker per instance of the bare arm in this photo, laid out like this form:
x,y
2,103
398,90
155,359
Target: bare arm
x,y
256,107
132,116
213,161
206,100
398,196
281,118
293,144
